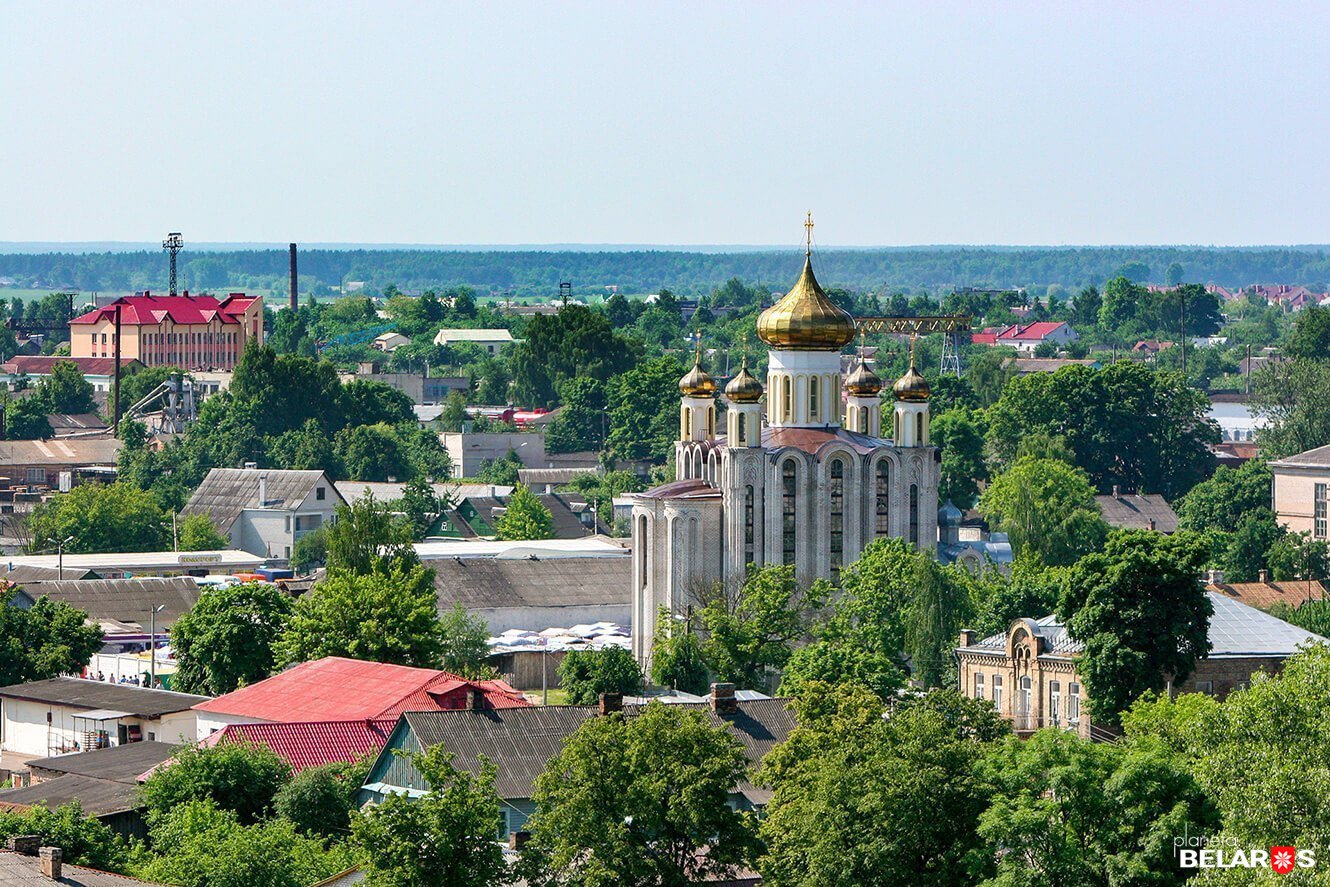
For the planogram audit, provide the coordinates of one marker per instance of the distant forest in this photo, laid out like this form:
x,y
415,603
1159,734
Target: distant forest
x,y
537,274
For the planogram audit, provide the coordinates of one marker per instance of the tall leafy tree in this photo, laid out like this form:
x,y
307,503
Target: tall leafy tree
x,y
1142,614
226,640
85,841
639,801
1220,502
644,409
238,777
1295,399
1310,338
937,608
582,422
960,436
98,517
578,341
319,800
465,647
49,638
65,390
368,537
196,532
1047,508
524,517
585,674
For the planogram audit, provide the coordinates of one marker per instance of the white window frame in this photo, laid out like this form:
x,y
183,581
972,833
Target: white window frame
x,y
978,685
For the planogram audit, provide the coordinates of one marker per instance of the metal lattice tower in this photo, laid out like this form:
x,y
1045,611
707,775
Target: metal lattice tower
x,y
173,244
951,354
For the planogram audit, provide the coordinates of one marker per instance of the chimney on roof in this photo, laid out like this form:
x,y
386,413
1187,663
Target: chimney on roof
x,y
263,490
1117,491
472,699
610,703
1150,524
1263,576
1215,577
25,844
52,861
251,465
722,699
516,840
967,637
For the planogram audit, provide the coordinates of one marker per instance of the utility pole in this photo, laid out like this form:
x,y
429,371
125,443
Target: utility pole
x,y
1182,313
115,394
173,244
152,645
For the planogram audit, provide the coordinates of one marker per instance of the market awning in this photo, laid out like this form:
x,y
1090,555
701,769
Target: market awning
x,y
104,714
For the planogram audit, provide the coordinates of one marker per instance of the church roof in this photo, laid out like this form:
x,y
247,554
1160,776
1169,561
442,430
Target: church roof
x,y
692,488
813,440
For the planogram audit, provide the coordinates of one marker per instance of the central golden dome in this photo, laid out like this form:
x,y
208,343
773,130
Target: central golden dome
x,y
805,319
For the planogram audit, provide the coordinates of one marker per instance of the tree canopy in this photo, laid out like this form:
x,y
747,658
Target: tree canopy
x,y
226,640
49,638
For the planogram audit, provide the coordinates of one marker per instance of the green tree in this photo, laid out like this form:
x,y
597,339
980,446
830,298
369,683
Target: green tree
x,y
960,435
307,448
310,551
644,409
677,658
445,837
1031,591
870,613
639,801
826,663
1310,337
1142,614
383,616
49,638
1070,811
367,537
226,640
524,517
99,518
1294,398
581,422
502,471
84,840
1122,297
1311,614
372,453
862,799
1047,509
1247,551
25,419
196,844
421,505
585,674
1086,306
197,533
465,648
990,372
576,342
319,800
1220,502
238,777
751,633
65,390
1299,556
937,608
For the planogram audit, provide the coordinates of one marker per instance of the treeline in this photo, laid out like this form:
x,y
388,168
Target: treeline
x,y
538,273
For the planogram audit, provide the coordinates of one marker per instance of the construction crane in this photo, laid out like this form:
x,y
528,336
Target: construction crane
x,y
950,325
58,324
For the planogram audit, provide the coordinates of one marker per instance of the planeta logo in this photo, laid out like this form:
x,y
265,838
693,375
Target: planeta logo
x,y
1283,859
1222,855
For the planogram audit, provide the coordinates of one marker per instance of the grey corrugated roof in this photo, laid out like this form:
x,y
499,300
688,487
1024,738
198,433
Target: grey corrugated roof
x,y
521,741
553,582
1236,631
1317,458
1136,511
24,573
69,451
89,695
119,762
17,870
98,797
226,492
124,600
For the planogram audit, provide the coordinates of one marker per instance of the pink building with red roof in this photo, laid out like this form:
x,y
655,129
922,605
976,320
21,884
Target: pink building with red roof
x,y
193,332
1026,337
337,689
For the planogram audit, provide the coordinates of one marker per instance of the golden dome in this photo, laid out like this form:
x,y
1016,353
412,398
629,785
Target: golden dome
x,y
912,387
744,387
805,319
863,382
696,383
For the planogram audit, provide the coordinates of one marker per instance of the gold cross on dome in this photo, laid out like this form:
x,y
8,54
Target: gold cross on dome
x,y
808,226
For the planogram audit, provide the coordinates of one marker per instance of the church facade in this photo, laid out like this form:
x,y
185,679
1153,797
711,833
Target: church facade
x,y
801,474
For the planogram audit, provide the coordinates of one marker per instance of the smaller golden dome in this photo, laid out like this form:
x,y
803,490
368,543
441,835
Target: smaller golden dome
x,y
744,387
696,383
912,387
863,382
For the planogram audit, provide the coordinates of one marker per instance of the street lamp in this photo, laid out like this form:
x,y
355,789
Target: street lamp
x,y
60,556
152,645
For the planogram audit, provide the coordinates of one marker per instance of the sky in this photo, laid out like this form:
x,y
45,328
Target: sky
x,y
666,123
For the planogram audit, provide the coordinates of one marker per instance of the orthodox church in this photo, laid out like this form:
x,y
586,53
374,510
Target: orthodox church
x,y
802,474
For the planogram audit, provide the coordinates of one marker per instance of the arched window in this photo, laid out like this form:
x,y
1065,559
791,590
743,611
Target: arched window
x,y
812,399
837,522
741,425
918,429
789,522
711,421
785,398
883,498
914,516
640,544
685,424
748,523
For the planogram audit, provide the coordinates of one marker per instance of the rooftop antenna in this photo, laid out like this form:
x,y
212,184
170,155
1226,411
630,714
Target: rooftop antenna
x,y
173,244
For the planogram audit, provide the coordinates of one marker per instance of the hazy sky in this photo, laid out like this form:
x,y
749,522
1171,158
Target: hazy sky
x,y
666,122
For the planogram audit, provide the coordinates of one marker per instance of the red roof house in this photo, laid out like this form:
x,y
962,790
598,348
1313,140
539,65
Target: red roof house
x,y
314,743
194,332
1027,336
337,689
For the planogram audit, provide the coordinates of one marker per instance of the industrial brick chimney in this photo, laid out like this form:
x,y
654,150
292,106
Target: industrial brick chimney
x,y
294,277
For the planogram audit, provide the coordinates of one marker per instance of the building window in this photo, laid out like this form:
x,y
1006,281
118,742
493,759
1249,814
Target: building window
x,y
883,497
685,424
320,493
837,522
1319,511
812,399
785,398
918,429
503,825
1073,703
741,424
1054,701
1205,686
640,545
978,685
914,515
711,421
997,692
748,523
789,524
1026,702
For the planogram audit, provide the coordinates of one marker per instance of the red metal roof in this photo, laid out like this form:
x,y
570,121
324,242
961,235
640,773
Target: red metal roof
x,y
312,743
1038,330
337,689
40,365
150,310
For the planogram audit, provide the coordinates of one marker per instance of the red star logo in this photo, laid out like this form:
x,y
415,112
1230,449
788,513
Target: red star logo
x,y
1282,859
